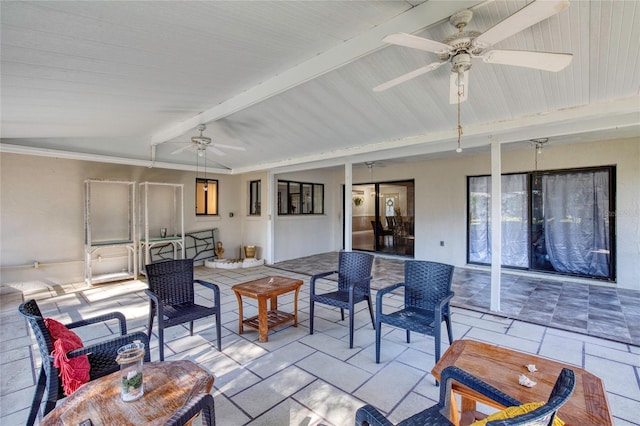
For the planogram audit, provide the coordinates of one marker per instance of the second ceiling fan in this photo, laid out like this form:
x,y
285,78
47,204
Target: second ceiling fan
x,y
201,143
460,48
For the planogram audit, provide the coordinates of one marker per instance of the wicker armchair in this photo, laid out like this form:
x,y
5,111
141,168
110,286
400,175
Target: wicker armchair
x,y
427,292
172,296
201,402
102,355
437,414
354,279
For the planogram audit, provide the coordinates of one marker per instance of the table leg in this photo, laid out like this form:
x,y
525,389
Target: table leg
x,y
263,323
467,405
274,303
295,307
240,316
453,410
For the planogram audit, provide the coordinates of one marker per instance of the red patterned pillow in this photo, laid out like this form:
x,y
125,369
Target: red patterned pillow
x,y
74,372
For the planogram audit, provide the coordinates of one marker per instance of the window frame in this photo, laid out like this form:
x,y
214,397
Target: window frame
x,y
255,197
299,202
206,197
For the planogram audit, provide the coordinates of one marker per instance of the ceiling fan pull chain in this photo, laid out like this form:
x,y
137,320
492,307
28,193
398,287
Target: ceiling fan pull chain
x,y
459,149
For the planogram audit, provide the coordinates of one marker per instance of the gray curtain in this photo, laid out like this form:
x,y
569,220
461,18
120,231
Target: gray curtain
x,y
576,208
515,222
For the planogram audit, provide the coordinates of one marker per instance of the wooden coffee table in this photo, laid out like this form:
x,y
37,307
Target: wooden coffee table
x,y
264,289
167,387
501,367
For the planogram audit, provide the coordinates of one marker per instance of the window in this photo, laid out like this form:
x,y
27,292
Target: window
x,y
555,221
300,198
206,197
254,197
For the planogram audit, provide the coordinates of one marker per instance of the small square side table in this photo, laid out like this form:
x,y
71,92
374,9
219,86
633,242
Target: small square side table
x,y
263,289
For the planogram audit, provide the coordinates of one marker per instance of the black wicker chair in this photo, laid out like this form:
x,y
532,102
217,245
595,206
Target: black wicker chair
x,y
201,402
437,415
354,280
427,292
172,296
102,355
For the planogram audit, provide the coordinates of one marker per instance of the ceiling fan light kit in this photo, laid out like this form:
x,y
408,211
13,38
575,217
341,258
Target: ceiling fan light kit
x,y
461,47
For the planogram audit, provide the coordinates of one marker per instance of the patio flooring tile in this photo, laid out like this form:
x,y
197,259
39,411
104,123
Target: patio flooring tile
x,y
296,378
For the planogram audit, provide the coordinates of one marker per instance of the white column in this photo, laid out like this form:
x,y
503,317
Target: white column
x,y
496,223
348,209
269,255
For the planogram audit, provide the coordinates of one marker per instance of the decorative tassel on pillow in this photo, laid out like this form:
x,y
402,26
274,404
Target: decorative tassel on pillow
x,y
74,372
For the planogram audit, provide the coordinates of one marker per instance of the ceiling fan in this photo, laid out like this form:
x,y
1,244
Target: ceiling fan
x,y
201,143
460,48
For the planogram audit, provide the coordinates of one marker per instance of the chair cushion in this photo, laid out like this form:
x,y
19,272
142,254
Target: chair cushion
x,y
510,412
74,372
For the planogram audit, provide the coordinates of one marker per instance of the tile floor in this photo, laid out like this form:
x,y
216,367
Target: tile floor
x,y
595,310
302,379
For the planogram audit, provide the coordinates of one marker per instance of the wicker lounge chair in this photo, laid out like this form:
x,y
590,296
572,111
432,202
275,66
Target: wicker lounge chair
x,y
437,414
172,296
102,355
427,292
354,279
201,402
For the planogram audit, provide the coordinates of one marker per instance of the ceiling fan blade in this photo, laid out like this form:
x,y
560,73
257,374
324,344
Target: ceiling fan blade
x,y
415,42
182,148
237,148
458,84
216,151
408,76
545,61
532,13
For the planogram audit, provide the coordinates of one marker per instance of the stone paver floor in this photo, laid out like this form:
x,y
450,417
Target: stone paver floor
x,y
296,378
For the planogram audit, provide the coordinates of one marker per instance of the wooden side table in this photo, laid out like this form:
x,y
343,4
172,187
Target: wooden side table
x,y
263,289
501,367
167,387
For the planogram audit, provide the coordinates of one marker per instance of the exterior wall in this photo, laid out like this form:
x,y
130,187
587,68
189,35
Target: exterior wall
x,y
42,212
255,229
305,235
42,207
441,196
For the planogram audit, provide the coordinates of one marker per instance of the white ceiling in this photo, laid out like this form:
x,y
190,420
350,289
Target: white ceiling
x,y
291,81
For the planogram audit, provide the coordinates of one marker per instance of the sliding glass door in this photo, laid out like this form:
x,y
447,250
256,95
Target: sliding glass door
x,y
556,221
383,217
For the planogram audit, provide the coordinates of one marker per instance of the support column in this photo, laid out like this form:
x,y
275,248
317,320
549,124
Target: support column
x,y
269,254
496,223
348,209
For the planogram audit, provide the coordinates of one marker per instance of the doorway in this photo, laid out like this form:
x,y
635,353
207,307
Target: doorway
x,y
383,217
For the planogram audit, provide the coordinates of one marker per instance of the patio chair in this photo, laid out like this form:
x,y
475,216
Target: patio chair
x,y
172,296
354,279
101,355
201,402
427,292
437,414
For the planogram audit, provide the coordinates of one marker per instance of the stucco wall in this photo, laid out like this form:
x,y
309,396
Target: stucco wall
x,y
41,202
42,213
304,235
441,196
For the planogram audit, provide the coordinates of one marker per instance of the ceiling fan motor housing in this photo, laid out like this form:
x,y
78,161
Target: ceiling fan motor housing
x,y
460,62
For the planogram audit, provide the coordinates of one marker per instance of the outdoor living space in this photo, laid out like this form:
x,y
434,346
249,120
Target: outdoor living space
x,y
300,379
